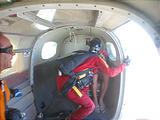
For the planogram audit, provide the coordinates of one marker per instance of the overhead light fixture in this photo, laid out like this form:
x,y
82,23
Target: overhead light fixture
x,y
47,14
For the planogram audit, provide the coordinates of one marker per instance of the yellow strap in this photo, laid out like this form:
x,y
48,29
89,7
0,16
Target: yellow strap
x,y
82,76
77,91
104,62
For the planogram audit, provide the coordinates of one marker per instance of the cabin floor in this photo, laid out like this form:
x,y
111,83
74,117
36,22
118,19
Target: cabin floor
x,y
97,116
62,115
92,116
65,108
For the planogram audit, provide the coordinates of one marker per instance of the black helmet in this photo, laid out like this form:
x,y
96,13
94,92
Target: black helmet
x,y
95,45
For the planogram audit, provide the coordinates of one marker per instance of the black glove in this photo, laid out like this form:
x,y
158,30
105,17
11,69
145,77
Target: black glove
x,y
127,61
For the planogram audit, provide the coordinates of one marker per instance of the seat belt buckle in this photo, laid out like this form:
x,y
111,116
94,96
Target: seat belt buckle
x,y
82,76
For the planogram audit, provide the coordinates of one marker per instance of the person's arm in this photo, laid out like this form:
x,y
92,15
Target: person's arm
x,y
112,72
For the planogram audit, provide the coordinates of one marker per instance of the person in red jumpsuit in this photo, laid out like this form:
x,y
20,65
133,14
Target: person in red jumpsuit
x,y
87,106
95,47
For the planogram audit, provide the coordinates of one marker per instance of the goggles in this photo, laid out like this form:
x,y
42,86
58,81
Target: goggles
x,y
96,49
8,50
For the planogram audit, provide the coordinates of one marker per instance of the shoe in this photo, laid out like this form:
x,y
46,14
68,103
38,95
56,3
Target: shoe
x,y
97,109
102,108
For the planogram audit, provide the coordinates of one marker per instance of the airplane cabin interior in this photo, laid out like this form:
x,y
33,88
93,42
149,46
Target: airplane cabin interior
x,y
44,31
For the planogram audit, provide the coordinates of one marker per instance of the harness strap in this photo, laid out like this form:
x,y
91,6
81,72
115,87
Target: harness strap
x,y
4,93
67,86
83,72
72,81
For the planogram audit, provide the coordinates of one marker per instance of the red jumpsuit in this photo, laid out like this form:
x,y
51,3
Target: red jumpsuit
x,y
103,54
87,105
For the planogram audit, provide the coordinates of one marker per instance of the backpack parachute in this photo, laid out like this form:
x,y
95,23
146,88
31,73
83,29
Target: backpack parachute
x,y
68,64
73,61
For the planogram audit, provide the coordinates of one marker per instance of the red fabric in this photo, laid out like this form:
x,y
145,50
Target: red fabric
x,y
103,53
91,62
87,105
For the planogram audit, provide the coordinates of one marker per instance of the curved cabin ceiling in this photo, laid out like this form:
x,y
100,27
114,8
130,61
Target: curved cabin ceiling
x,y
149,8
108,14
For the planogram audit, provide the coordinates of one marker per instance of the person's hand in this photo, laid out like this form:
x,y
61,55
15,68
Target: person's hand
x,y
127,61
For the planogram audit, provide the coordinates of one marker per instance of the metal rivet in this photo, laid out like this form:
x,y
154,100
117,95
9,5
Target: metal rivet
x,y
112,8
59,4
76,4
43,5
95,6
25,7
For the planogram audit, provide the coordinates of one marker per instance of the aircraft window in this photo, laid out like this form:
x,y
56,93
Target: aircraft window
x,y
49,50
111,51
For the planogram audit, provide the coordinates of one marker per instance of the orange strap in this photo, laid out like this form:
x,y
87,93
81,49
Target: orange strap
x,y
104,62
2,103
